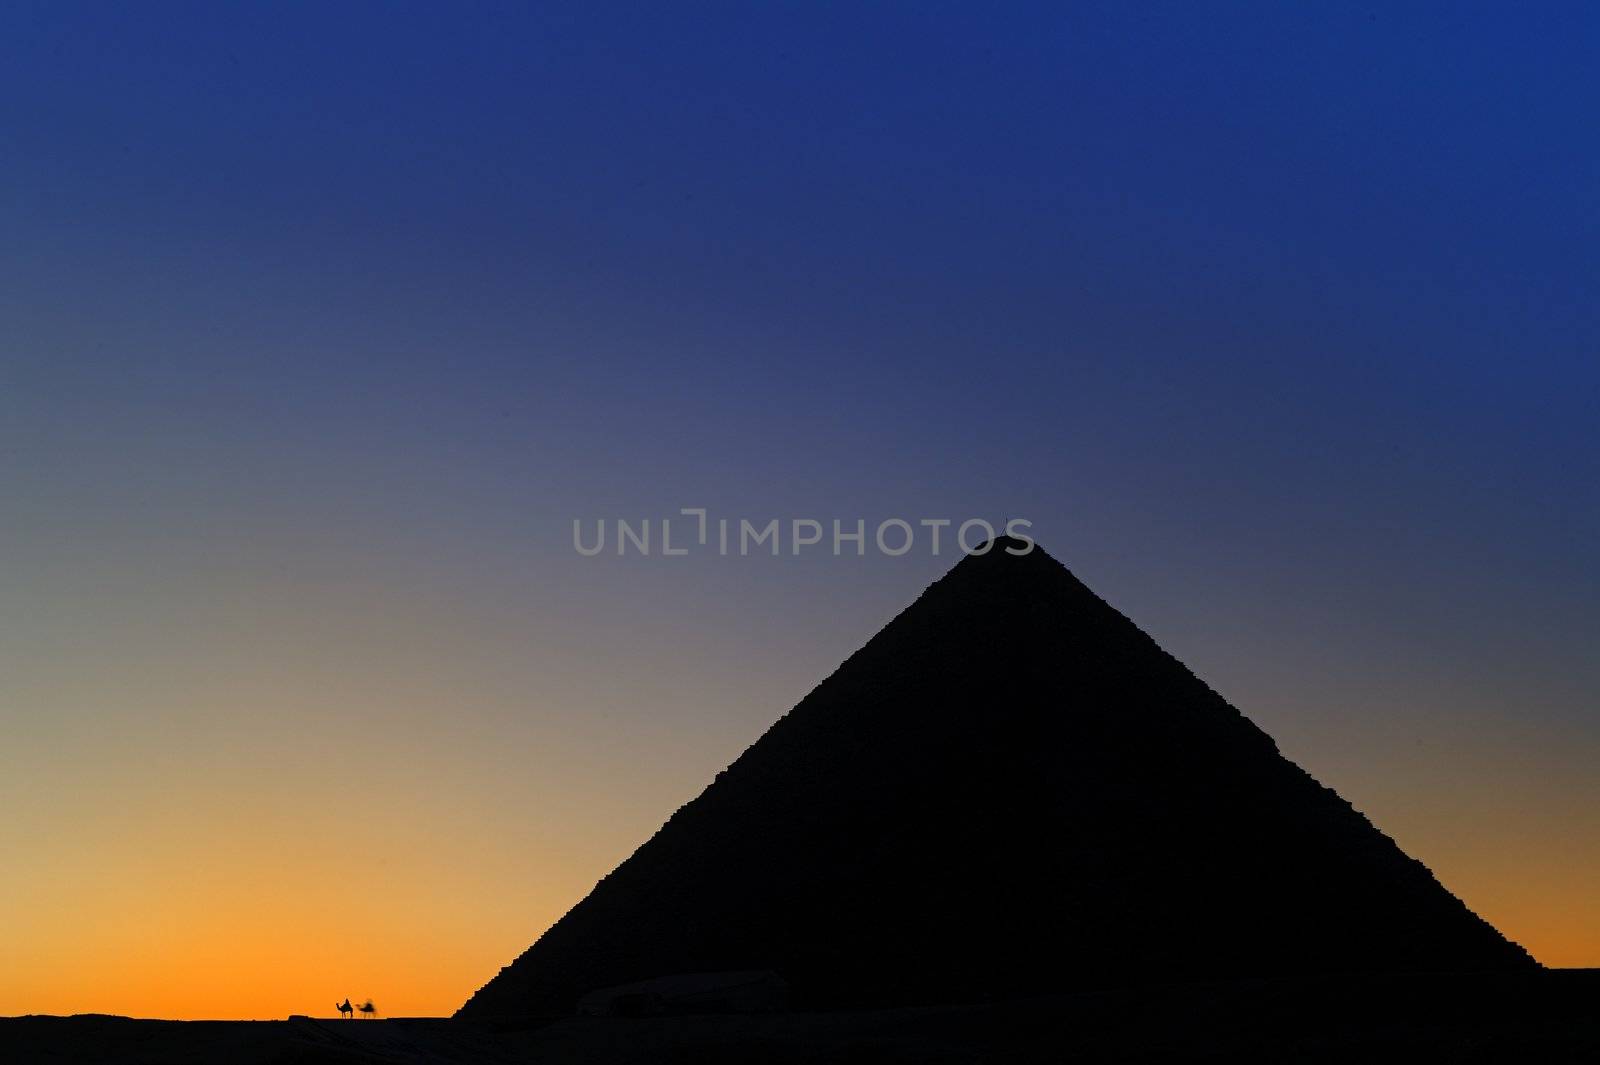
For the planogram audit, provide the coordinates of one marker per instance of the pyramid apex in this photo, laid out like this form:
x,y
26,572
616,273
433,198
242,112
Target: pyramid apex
x,y
1011,546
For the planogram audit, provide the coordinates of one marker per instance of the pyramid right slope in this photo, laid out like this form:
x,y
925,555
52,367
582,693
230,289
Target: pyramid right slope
x,y
1010,788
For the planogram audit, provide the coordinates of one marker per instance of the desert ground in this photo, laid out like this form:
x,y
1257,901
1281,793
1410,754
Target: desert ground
x,y
1548,1016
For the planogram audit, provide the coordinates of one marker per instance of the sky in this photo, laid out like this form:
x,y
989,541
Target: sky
x,y
321,324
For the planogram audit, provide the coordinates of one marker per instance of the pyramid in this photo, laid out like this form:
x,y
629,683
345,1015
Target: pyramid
x,y
1010,789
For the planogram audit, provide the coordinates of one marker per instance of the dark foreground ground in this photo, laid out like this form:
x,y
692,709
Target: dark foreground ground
x,y
1534,1017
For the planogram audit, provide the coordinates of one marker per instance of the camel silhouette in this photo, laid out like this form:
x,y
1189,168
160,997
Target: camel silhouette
x,y
345,1007
368,1009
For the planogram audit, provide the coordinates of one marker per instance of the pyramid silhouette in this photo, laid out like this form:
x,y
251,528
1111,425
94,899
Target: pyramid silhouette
x,y
1010,789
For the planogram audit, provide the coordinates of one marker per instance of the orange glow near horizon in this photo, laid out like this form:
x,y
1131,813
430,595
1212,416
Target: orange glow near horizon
x,y
230,844
251,957
267,827
225,922
214,921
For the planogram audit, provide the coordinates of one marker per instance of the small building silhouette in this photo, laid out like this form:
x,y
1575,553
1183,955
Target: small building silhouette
x,y
742,991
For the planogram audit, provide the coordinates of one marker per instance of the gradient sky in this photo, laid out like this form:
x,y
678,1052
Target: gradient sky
x,y
321,324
